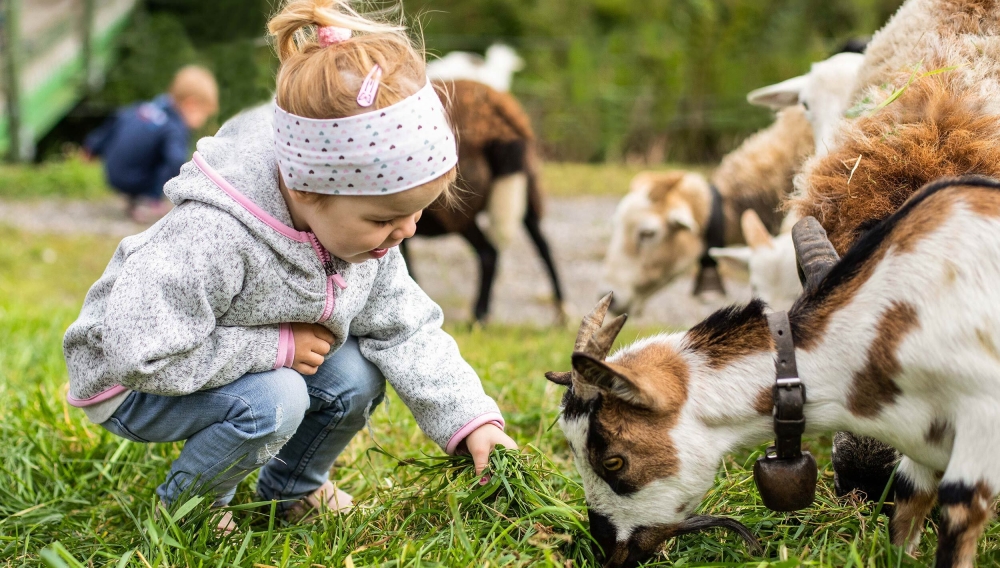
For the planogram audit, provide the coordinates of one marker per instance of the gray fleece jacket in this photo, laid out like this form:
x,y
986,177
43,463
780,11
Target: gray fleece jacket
x,y
206,296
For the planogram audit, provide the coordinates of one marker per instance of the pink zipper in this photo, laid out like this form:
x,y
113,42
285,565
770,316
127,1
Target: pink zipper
x,y
332,277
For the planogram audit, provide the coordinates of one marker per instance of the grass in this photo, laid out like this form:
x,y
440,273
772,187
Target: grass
x,y
73,178
73,495
571,180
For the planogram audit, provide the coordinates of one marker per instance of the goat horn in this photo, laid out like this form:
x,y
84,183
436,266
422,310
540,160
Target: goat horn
x,y
564,378
702,522
600,342
815,254
592,322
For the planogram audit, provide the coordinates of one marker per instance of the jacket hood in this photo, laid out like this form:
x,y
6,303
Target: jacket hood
x,y
236,171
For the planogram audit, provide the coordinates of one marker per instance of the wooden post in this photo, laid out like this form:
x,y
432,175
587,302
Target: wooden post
x,y
10,52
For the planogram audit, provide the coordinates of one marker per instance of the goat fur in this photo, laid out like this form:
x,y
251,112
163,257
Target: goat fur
x,y
496,148
898,342
943,124
756,175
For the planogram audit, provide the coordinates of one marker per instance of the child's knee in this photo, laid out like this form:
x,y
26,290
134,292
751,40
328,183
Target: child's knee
x,y
275,403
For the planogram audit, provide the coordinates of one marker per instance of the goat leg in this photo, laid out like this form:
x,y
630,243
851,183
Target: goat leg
x,y
533,225
487,254
916,493
965,510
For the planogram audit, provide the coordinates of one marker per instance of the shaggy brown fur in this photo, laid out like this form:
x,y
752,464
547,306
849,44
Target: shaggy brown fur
x,y
758,174
933,130
932,34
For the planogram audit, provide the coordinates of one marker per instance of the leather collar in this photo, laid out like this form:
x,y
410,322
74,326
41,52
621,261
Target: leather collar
x,y
789,393
715,232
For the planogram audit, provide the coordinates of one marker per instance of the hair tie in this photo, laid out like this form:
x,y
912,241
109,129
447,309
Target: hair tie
x,y
329,35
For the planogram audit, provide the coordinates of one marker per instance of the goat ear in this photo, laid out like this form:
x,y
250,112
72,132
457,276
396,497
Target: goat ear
x,y
780,95
683,218
754,230
564,378
609,378
739,255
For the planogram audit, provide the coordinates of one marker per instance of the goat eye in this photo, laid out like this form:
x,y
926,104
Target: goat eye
x,y
613,464
646,234
805,105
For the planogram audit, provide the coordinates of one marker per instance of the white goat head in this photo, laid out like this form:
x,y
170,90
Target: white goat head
x,y
656,235
770,261
824,92
645,460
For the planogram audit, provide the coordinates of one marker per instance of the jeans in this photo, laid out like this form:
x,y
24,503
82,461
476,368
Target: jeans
x,y
289,425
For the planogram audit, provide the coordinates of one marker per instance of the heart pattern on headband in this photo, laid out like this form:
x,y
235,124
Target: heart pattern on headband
x,y
411,160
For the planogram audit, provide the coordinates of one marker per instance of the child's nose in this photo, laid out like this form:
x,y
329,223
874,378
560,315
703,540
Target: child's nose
x,y
408,227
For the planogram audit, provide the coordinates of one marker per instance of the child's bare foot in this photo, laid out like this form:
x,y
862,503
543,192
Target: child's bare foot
x,y
327,498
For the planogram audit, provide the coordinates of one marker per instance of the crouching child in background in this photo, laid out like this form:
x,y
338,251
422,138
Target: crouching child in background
x,y
260,319
145,144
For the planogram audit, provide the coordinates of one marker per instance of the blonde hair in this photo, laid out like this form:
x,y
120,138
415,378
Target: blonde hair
x,y
195,82
316,81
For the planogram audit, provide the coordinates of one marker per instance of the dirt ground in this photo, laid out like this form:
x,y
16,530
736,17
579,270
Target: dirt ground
x,y
578,230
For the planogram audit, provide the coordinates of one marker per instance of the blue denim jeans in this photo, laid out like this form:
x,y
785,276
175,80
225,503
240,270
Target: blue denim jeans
x,y
291,426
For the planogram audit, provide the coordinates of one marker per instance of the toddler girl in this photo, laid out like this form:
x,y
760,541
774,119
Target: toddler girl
x,y
260,319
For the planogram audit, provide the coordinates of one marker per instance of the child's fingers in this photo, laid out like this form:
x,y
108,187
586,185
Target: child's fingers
x,y
323,333
312,358
481,458
321,347
304,369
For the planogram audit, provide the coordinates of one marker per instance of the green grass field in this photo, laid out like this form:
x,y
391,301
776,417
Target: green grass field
x,y
72,494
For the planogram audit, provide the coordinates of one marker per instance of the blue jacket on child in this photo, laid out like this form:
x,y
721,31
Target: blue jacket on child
x,y
143,146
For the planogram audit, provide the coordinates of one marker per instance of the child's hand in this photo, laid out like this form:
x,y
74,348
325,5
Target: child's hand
x,y
482,441
312,342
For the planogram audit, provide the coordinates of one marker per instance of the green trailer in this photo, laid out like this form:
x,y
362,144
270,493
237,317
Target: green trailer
x,y
52,52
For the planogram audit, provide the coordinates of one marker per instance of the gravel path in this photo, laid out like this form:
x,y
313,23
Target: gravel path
x,y
578,231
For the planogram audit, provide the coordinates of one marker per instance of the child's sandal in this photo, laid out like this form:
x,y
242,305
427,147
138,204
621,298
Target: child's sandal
x,y
328,498
226,525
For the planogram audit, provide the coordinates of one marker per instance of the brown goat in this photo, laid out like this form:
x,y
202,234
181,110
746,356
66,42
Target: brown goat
x,y
498,173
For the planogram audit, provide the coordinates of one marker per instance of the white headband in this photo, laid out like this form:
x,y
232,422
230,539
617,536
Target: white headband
x,y
376,153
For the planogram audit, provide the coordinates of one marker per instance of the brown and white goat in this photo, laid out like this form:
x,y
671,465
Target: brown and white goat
x,y
899,340
662,227
497,173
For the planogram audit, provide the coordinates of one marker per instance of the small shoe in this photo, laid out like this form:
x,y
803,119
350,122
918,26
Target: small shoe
x,y
226,525
328,498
